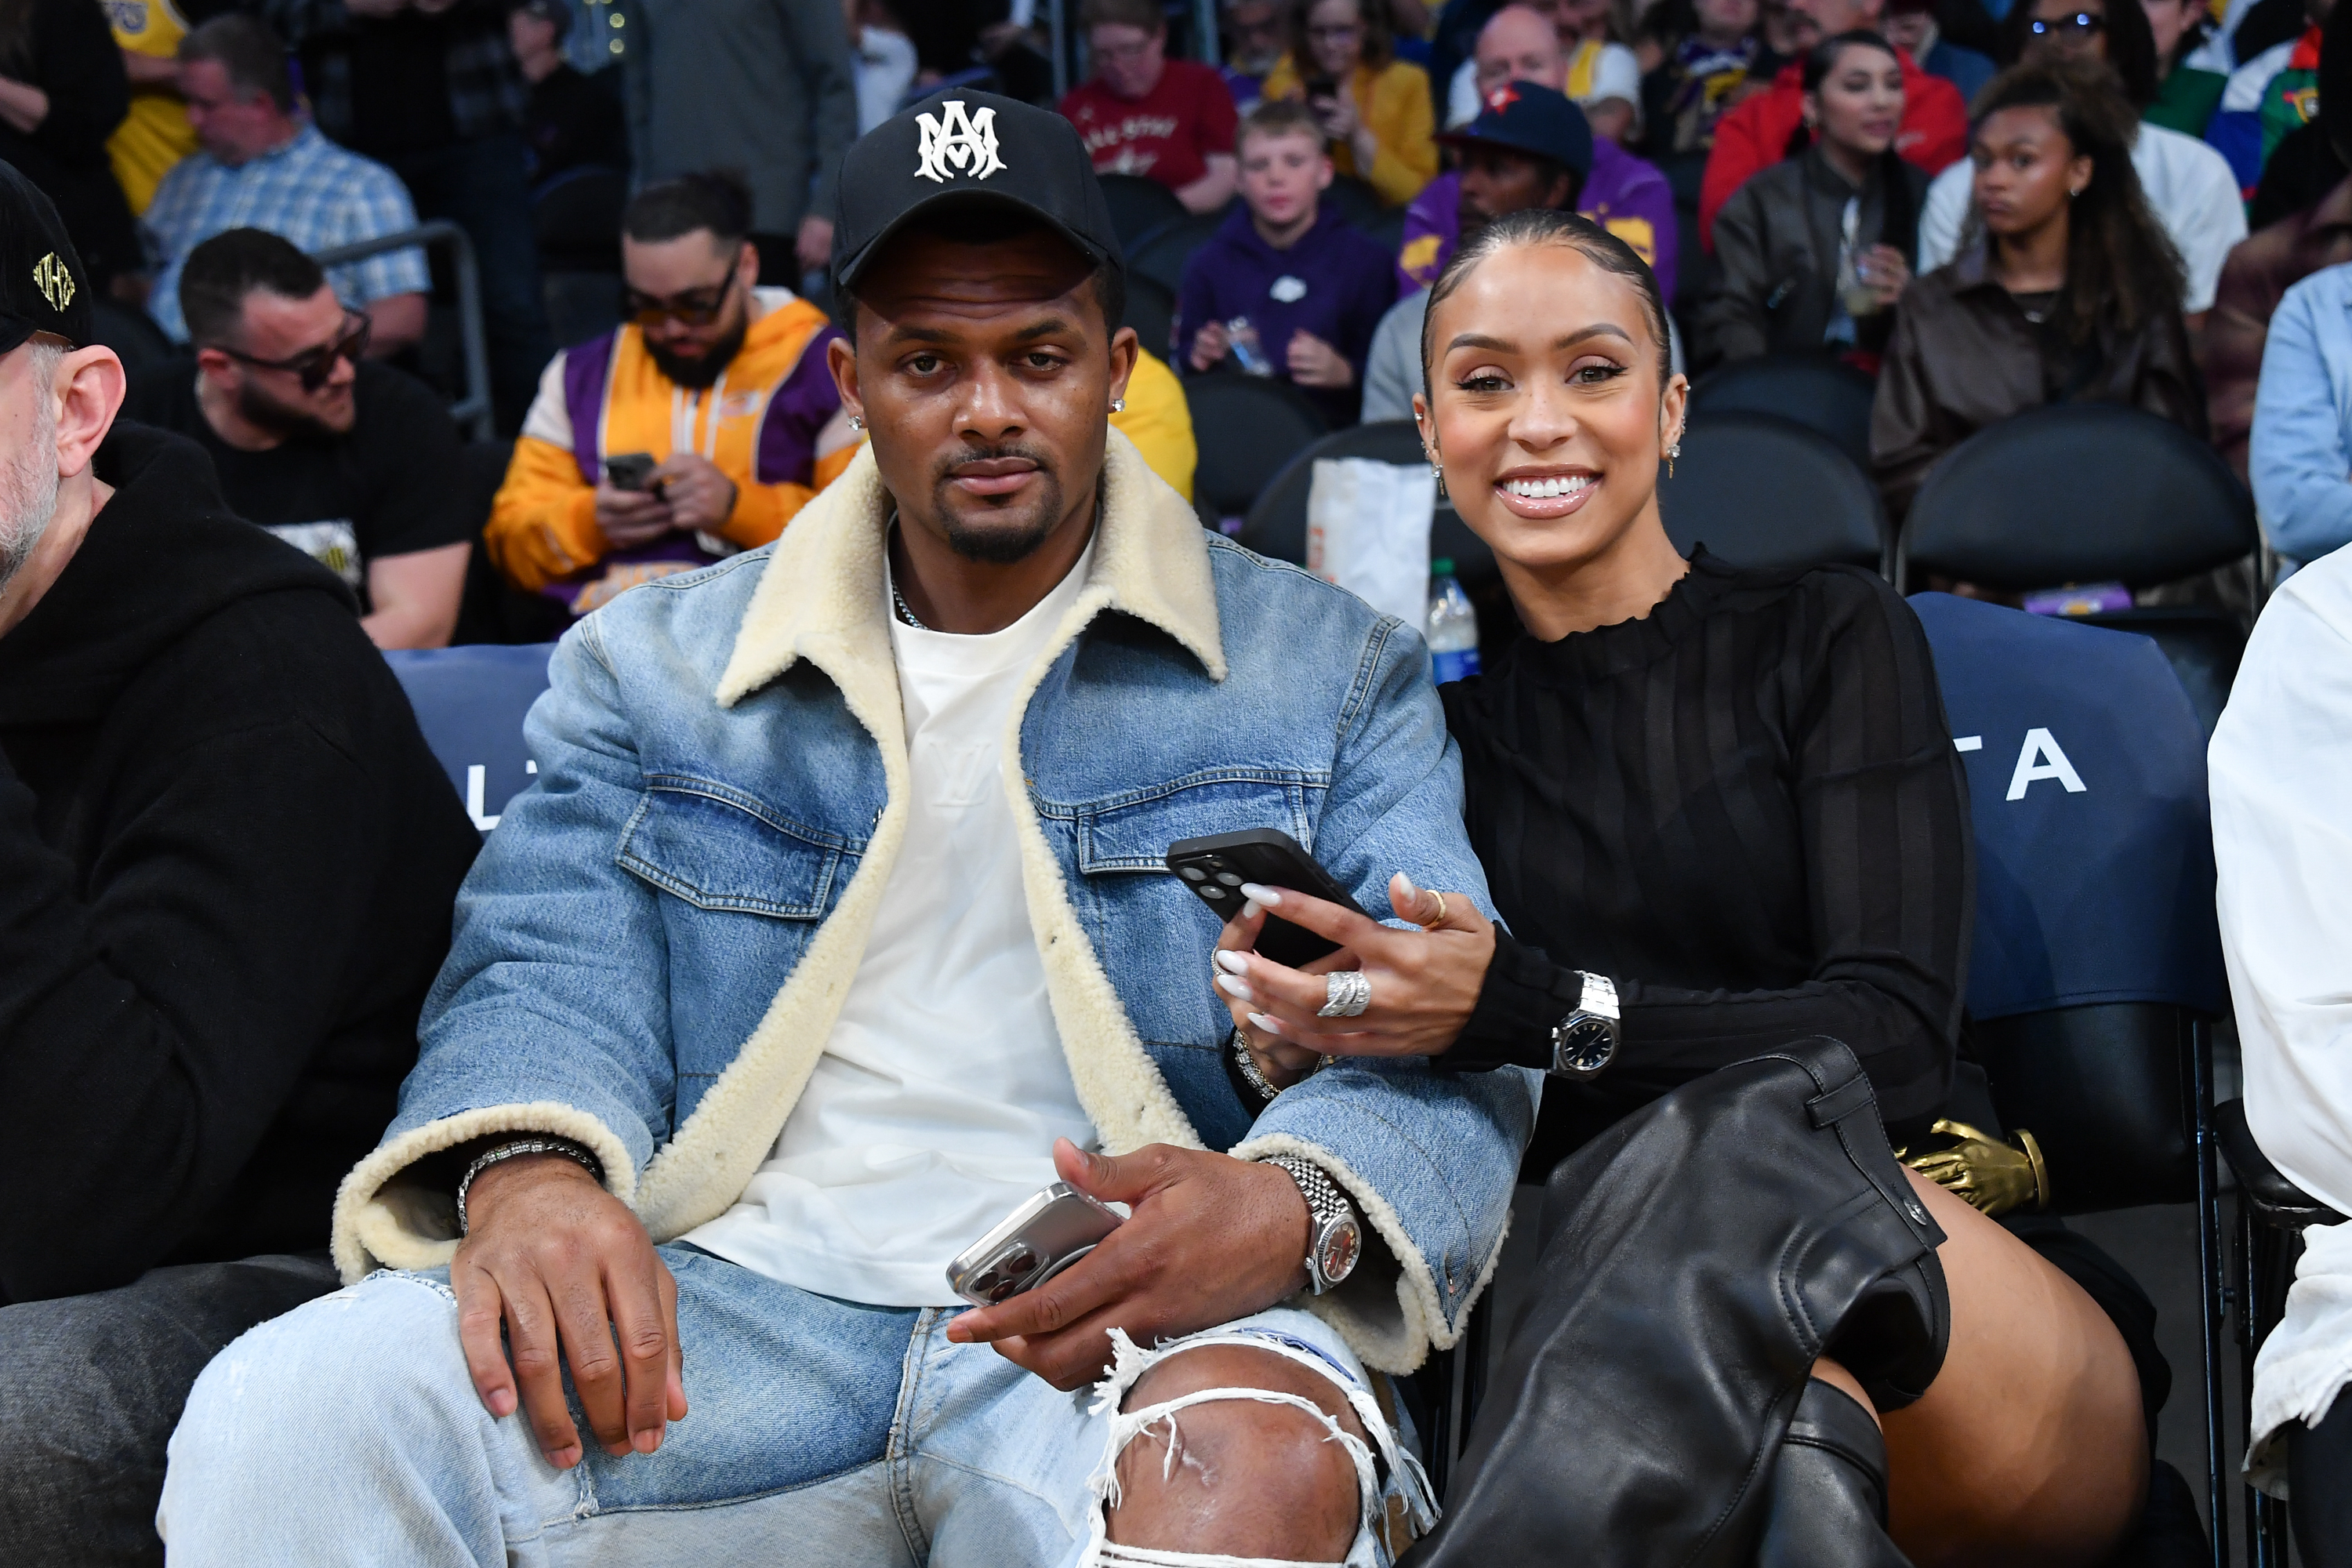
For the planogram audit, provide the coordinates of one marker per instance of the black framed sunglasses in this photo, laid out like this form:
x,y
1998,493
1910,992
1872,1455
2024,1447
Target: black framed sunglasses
x,y
2080,25
695,308
313,366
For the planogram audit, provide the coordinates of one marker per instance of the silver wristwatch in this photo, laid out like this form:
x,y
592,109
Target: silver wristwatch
x,y
1584,1042
1334,1236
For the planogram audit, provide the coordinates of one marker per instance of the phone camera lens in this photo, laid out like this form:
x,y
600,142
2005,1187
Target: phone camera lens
x,y
1193,874
1211,890
1229,879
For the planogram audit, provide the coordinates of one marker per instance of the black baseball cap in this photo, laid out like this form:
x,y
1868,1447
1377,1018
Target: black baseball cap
x,y
43,288
1528,118
962,150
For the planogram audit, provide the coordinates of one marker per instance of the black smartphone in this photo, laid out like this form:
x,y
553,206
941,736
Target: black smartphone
x,y
1320,88
1215,867
629,470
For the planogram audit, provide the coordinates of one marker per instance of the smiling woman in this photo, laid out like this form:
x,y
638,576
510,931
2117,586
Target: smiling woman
x,y
1721,813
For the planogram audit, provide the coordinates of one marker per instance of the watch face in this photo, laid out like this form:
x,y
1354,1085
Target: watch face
x,y
1583,1045
1336,1250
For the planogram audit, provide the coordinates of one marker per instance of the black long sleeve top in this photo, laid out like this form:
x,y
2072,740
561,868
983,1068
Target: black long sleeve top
x,y
1746,810
227,862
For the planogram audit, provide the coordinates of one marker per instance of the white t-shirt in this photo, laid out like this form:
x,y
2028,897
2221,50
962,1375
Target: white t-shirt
x,y
1607,70
2188,185
933,1111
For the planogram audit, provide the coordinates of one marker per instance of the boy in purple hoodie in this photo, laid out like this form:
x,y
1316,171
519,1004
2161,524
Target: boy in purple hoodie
x,y
1286,287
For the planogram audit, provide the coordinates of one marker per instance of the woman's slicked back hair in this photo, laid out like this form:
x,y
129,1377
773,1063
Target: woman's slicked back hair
x,y
1549,226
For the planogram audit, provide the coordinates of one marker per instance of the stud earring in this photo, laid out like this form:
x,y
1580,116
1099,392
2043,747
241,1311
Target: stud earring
x,y
1118,406
858,422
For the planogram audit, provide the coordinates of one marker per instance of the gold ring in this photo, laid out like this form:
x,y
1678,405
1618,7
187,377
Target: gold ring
x,y
1440,908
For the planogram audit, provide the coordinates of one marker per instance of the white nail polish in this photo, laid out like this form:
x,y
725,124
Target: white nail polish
x,y
1263,1022
1250,909
1409,890
1234,988
1232,962
1257,894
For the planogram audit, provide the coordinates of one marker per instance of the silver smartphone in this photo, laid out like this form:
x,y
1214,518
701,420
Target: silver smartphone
x,y
1035,1242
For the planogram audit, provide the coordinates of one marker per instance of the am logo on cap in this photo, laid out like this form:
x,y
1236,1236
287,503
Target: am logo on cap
x,y
55,281
956,142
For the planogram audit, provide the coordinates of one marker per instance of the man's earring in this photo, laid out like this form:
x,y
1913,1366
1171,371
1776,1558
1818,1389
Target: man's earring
x,y
858,422
1118,406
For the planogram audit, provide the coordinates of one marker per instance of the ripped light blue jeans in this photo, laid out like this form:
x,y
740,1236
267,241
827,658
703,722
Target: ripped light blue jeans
x,y
820,1431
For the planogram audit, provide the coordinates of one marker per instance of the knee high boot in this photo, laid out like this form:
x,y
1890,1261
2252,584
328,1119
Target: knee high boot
x,y
1694,1261
1827,1505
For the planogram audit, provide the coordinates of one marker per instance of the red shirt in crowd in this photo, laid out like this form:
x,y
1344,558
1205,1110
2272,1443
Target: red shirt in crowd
x,y
1755,135
1168,134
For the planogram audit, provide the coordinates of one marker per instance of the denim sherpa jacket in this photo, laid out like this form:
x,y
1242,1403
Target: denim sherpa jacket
x,y
653,948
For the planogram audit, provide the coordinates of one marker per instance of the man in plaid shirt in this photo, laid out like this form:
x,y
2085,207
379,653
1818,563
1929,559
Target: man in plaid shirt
x,y
260,168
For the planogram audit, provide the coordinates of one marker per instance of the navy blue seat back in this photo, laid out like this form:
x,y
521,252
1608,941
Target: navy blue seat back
x,y
470,703
2096,946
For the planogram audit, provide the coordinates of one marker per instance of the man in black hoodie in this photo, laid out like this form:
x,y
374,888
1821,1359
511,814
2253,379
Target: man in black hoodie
x,y
227,862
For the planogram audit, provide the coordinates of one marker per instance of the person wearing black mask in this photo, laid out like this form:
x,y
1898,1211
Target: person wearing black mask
x,y
227,862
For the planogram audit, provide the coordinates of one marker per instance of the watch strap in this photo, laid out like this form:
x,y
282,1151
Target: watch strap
x,y
1326,1204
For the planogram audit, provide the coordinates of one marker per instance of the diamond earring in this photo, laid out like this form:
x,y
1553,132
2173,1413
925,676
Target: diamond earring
x,y
1672,453
858,422
1438,472
1118,406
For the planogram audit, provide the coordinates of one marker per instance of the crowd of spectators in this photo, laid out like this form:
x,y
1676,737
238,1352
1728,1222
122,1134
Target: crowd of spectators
x,y
1982,207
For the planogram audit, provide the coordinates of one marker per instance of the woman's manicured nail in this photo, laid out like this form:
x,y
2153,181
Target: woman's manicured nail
x,y
1263,1022
1250,909
1233,986
1260,895
1232,962
1409,890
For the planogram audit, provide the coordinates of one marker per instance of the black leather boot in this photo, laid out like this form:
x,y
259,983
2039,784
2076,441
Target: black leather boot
x,y
1695,1259
1827,1508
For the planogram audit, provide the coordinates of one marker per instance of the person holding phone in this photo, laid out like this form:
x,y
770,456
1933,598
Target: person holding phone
x,y
696,429
834,930
1723,816
1374,107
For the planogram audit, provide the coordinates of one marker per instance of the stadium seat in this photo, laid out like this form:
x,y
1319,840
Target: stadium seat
x,y
2091,492
1385,230
133,336
1359,206
1276,522
576,218
2272,1214
1247,428
1822,393
470,703
1151,311
1138,206
2095,972
1760,490
1162,253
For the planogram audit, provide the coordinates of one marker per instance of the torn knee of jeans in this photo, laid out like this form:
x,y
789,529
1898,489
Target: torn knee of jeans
x,y
1165,1420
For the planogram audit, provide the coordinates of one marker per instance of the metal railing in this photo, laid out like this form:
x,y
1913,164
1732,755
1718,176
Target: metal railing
x,y
473,410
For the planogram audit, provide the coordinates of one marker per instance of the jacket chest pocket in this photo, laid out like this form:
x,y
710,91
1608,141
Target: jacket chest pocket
x,y
721,851
1135,909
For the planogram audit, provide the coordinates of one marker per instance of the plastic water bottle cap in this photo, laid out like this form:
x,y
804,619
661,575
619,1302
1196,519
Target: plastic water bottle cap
x,y
1442,567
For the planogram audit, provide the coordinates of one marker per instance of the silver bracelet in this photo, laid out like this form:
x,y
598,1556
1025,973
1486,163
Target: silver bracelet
x,y
1250,1073
545,1144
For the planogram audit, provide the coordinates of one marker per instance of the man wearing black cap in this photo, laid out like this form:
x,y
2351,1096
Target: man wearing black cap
x,y
226,860
836,926
1529,147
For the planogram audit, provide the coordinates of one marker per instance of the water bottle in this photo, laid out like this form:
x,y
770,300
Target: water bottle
x,y
1453,625
1248,352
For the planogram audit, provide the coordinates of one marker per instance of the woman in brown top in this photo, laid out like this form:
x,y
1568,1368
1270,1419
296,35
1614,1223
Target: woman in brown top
x,y
2065,287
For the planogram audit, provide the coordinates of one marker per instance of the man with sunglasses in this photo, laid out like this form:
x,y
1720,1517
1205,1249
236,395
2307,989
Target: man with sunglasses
x,y
344,457
696,429
226,865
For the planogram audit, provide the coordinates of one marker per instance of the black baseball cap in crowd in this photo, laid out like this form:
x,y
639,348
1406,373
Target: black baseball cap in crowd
x,y
1528,118
962,150
43,288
